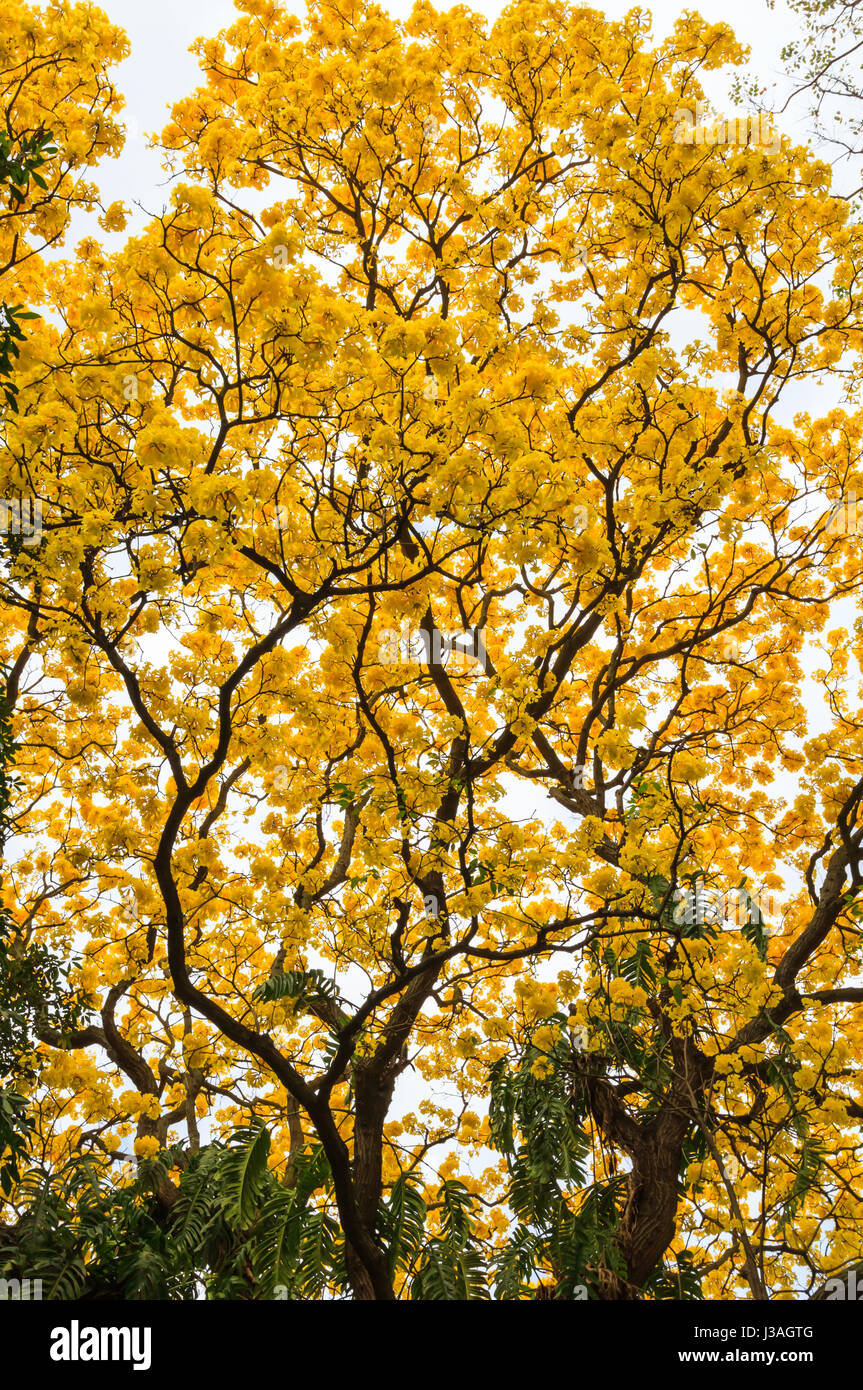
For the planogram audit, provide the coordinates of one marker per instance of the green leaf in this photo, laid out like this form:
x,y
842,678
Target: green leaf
x,y
245,1168
302,985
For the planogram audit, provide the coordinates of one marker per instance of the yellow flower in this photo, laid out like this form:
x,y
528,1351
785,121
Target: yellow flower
x,y
604,880
542,1068
114,218
147,1146
620,990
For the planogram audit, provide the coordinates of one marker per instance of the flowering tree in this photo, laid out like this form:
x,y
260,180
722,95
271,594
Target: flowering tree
x,y
409,680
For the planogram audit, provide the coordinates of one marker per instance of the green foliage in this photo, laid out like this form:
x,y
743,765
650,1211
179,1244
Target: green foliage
x,y
244,1172
810,1162
34,994
294,1246
566,1223
84,1238
306,987
677,1279
565,1235
451,1267
20,165
401,1225
552,1144
11,336
449,1274
16,1125
19,168
245,1233
233,1230
346,799
640,967
754,929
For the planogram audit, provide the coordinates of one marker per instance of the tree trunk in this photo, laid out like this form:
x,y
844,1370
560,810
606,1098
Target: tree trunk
x,y
655,1146
373,1094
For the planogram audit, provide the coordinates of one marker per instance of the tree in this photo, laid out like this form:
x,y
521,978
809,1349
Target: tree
x,y
59,108
823,65
40,192
426,578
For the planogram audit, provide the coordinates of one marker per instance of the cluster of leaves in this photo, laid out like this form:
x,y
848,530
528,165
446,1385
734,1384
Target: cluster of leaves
x,y
232,1229
20,165
11,336
21,162
566,1224
35,994
303,987
567,1217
